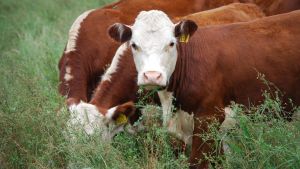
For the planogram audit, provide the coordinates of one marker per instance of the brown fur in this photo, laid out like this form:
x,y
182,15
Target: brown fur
x,y
220,65
274,7
235,12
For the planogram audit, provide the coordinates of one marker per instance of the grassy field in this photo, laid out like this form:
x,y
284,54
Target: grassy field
x,y
33,117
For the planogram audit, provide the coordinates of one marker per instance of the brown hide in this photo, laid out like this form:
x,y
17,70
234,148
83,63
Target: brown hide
x,y
273,7
122,87
95,50
220,63
235,12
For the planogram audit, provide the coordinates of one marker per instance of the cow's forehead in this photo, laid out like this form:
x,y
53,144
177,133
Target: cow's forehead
x,y
152,20
152,26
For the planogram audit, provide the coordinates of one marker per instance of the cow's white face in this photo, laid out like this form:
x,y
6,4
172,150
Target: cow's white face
x,y
153,46
153,39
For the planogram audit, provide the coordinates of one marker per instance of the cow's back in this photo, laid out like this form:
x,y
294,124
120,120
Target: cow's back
x,y
274,7
235,12
225,62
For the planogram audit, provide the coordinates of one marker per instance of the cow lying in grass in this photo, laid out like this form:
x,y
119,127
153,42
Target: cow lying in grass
x,y
207,68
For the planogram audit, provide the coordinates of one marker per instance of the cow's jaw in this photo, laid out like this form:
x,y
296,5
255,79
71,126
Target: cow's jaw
x,y
154,48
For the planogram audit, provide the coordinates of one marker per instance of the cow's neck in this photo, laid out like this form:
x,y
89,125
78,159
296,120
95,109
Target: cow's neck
x,y
181,79
193,68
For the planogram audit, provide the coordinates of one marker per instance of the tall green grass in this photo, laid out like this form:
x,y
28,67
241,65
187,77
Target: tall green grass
x,y
33,116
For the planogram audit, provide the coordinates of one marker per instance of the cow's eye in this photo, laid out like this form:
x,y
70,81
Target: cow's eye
x,y
171,44
134,46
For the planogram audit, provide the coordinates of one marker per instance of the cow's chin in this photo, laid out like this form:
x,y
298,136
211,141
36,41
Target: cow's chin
x,y
152,87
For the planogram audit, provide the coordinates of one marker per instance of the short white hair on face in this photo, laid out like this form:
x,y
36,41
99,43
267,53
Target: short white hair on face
x,y
152,21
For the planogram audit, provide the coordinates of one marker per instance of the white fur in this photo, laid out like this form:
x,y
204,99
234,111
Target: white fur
x,y
86,115
229,121
182,126
227,124
114,64
68,75
120,29
74,30
152,32
166,103
110,112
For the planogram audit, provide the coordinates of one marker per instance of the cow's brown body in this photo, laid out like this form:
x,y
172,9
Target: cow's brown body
x,y
220,64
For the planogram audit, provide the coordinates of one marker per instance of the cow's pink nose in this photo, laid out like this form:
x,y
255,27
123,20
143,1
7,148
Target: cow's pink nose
x,y
152,77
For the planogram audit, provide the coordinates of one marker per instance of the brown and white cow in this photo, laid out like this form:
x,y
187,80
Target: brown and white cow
x,y
118,84
214,65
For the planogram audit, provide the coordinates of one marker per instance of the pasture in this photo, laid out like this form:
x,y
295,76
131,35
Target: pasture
x,y
33,115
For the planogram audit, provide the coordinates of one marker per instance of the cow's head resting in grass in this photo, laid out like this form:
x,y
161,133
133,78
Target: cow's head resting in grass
x,y
108,122
153,39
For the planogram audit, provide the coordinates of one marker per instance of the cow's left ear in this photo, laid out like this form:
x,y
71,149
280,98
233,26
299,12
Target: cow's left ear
x,y
185,28
120,32
121,113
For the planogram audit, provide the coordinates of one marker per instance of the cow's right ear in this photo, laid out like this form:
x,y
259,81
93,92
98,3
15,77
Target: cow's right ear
x,y
185,29
120,32
121,114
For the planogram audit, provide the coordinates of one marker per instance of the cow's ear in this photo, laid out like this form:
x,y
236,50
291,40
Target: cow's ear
x,y
120,32
185,28
121,113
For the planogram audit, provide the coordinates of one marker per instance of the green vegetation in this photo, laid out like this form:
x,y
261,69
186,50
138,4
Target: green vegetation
x,y
33,115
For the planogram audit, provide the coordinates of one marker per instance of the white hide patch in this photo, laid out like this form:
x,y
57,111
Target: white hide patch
x,y
68,75
87,116
114,64
227,124
229,121
166,103
182,126
74,30
110,112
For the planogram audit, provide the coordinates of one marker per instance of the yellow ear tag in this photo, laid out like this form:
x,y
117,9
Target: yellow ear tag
x,y
184,38
122,119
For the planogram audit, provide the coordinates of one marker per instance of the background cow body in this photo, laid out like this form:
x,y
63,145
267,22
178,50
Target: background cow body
x,y
273,7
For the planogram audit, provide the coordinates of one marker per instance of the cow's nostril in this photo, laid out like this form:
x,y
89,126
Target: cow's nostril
x,y
145,76
159,76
